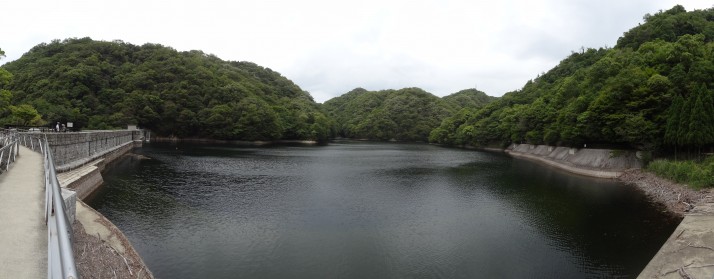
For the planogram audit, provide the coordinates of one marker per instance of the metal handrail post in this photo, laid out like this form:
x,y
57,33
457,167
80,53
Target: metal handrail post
x,y
7,166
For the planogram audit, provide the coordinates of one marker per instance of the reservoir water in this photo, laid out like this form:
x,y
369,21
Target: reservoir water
x,y
374,210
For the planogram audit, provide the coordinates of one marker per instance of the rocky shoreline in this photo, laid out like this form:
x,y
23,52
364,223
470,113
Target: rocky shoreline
x,y
677,198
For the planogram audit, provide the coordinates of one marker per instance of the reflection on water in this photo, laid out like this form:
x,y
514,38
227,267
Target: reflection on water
x,y
374,210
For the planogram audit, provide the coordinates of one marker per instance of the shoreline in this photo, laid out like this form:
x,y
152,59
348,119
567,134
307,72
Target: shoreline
x,y
687,252
678,199
236,142
571,169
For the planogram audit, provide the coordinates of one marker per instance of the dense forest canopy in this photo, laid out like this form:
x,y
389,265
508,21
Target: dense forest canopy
x,y
467,98
652,90
407,114
101,85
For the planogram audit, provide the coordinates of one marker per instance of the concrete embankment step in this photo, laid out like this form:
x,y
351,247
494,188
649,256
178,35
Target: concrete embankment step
x,y
83,180
689,252
66,178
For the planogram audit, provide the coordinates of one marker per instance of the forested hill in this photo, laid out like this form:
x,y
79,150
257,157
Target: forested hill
x,y
100,85
467,98
407,114
653,90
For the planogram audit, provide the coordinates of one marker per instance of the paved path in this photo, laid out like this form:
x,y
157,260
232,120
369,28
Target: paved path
x,y
23,233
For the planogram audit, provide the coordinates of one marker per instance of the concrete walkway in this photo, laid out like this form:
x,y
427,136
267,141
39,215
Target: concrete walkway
x,y
23,233
689,252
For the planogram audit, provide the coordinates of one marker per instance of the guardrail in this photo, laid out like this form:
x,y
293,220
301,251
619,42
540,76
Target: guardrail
x,y
8,148
60,257
31,141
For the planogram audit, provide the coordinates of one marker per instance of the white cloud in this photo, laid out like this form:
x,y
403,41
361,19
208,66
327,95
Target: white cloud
x,y
329,47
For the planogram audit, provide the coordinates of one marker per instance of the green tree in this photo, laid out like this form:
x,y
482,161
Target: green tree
x,y
697,134
408,114
26,115
5,76
5,95
5,98
257,121
185,94
672,135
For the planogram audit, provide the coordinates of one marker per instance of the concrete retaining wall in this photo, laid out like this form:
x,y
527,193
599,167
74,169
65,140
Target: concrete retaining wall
x,y
605,163
71,150
87,178
687,253
70,199
84,181
74,150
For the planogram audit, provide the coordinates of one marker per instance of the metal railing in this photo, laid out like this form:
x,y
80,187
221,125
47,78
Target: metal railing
x,y
8,148
60,257
32,141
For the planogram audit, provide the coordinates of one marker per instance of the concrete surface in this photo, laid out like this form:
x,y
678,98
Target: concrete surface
x,y
105,250
70,198
689,252
603,163
67,178
71,150
83,180
568,168
23,233
95,224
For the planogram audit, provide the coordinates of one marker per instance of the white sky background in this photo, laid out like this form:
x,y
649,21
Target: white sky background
x,y
330,47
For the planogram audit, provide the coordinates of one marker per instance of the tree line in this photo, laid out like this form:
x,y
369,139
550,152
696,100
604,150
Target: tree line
x,y
107,85
407,114
652,91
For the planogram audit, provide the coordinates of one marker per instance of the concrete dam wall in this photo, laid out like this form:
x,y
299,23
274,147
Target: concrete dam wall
x,y
605,163
80,158
72,150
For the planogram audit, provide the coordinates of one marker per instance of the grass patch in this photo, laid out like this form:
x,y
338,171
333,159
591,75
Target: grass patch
x,y
616,153
696,175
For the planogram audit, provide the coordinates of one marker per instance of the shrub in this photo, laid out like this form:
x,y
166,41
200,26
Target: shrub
x,y
696,175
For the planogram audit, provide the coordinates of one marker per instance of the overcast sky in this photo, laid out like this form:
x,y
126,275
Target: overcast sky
x,y
329,47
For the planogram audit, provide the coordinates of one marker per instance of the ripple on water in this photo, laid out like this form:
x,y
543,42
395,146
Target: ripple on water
x,y
368,210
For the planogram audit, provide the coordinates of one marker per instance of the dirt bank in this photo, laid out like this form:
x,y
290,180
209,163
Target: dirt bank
x,y
679,199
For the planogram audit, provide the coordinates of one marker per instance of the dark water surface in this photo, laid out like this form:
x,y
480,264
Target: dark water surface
x,y
374,210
